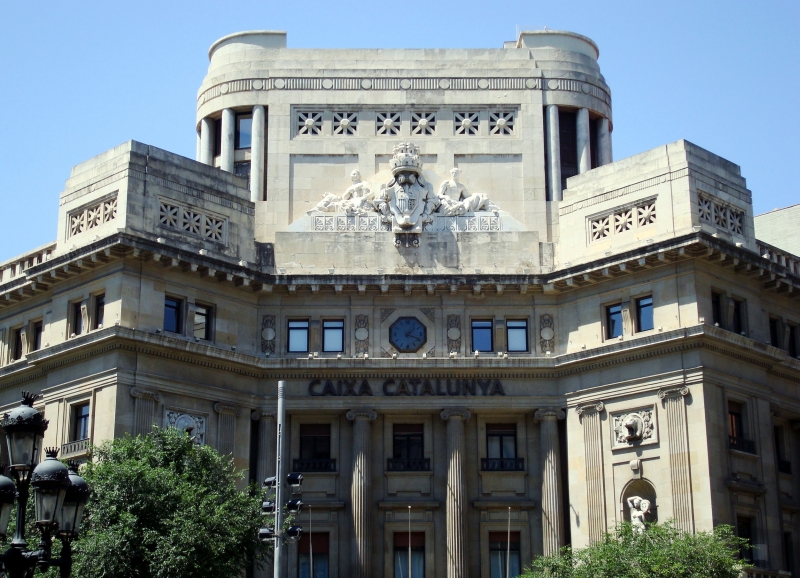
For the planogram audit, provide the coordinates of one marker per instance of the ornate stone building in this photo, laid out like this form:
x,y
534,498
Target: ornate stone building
x,y
479,316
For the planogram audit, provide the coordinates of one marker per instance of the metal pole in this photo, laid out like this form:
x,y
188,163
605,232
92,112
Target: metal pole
x,y
409,542
278,557
508,546
310,546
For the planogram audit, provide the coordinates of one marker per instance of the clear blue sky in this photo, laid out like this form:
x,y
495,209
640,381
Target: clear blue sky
x,y
81,77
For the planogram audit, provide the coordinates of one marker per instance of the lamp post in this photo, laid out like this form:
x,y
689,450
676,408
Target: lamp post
x,y
59,495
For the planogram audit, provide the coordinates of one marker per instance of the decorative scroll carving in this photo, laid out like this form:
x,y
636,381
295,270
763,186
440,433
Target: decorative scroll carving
x,y
268,334
588,408
368,414
453,333
548,413
231,409
145,394
431,352
349,223
362,334
673,392
636,426
385,314
92,215
195,424
442,223
460,412
547,333
428,312
172,215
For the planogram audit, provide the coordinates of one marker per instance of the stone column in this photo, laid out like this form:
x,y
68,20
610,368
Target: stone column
x,y
360,565
554,152
207,141
678,444
552,515
604,142
144,410
226,142
265,464
257,150
584,141
589,416
456,504
226,428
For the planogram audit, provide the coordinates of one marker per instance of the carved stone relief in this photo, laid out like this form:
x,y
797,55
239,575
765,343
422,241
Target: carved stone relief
x,y
195,424
634,427
268,334
547,333
362,334
453,333
428,312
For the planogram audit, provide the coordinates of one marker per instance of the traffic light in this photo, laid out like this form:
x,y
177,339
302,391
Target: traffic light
x,y
266,534
294,533
294,480
294,506
267,507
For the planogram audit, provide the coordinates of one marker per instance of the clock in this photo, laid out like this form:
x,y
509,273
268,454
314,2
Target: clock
x,y
407,334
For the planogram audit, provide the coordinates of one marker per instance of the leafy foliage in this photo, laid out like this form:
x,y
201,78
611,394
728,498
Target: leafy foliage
x,y
163,507
662,551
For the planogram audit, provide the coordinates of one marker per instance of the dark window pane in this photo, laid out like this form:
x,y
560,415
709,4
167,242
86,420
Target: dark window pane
x,y
99,311
298,336
333,336
614,321
80,422
775,338
77,319
568,133
744,529
738,316
244,131
482,336
37,335
315,441
517,335
793,351
172,315
735,420
17,353
644,314
203,319
716,308
217,124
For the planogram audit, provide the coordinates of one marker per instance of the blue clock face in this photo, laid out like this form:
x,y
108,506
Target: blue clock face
x,y
407,334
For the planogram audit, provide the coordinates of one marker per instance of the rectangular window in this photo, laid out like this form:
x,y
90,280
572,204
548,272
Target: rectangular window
x,y
745,528
38,329
333,335
99,311
409,545
568,136
716,308
784,464
788,552
203,321
501,448
793,337
312,561
173,309
77,319
482,335
517,335
644,314
504,554
614,321
735,419
775,337
738,316
80,422
408,453
217,137
244,131
298,336
315,449
17,352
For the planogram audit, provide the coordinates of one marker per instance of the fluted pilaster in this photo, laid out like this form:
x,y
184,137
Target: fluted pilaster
x,y
456,503
552,514
593,462
553,152
144,409
678,444
360,492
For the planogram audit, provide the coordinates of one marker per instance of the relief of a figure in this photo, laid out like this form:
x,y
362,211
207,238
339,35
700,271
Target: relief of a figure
x,y
455,200
358,199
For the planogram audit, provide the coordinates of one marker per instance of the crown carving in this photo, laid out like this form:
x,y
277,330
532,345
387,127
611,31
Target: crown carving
x,y
405,158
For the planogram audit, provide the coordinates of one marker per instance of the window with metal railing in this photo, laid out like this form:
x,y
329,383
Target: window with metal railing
x,y
408,449
315,449
501,449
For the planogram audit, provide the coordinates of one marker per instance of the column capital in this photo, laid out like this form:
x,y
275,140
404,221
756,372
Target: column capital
x,y
452,412
553,413
673,392
597,406
144,393
224,408
259,414
356,414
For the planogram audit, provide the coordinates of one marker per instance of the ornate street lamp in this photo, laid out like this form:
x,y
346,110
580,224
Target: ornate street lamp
x,y
60,495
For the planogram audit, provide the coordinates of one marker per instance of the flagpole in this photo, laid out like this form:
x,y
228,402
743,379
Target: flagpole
x,y
409,542
508,545
310,546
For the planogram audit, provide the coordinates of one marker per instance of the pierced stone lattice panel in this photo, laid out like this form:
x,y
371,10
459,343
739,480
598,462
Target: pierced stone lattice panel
x,y
466,123
501,122
721,216
623,219
185,421
349,223
477,223
90,216
453,333
388,123
174,216
268,334
423,123
345,123
547,333
362,334
309,122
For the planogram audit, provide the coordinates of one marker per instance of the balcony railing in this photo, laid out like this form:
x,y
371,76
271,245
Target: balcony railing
x,y
742,444
408,465
785,466
75,448
758,573
502,464
314,466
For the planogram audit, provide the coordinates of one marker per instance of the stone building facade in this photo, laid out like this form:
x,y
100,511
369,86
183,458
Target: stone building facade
x,y
478,315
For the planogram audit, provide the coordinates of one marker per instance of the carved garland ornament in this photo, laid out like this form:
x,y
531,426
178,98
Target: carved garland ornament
x,y
635,426
195,424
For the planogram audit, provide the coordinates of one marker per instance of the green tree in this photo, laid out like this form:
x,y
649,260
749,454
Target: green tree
x,y
163,507
662,551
